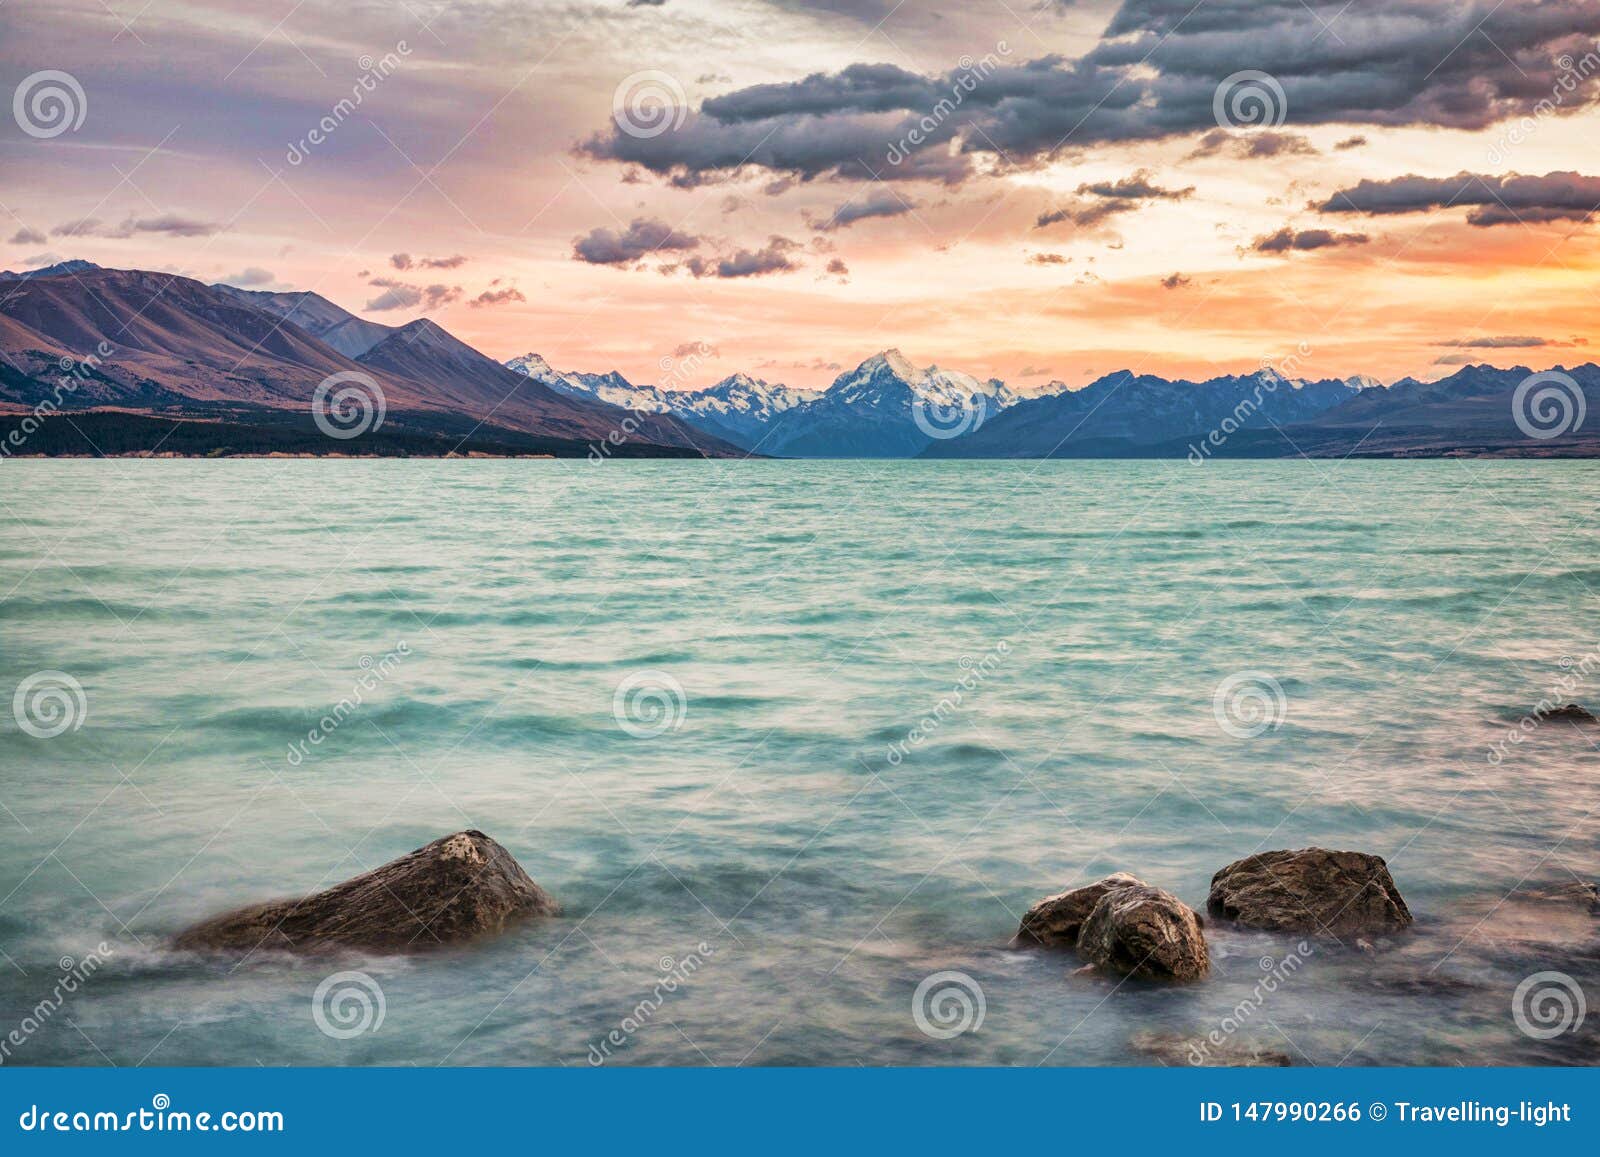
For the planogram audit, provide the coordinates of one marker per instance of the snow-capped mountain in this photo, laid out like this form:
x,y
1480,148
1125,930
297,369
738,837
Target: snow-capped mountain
x,y
609,387
739,408
884,408
888,408
1123,411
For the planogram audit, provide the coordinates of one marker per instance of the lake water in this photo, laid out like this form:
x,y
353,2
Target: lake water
x,y
915,697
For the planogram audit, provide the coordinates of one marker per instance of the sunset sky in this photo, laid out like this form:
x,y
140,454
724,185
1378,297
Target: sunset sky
x,y
1077,210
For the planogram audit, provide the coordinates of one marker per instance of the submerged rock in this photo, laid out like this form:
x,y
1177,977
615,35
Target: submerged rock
x,y
1311,890
1145,932
456,888
1581,893
1055,921
1572,712
1216,1052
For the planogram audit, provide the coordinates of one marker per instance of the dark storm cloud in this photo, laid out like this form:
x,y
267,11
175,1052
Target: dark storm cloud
x,y
858,88
641,238
28,237
704,149
1495,200
1287,240
1154,75
878,203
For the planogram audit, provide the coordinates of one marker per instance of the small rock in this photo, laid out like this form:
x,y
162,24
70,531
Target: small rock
x,y
1056,921
1136,930
454,889
1172,1049
1311,890
1572,712
1579,892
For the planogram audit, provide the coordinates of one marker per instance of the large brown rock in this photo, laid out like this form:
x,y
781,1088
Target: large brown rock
x,y
1056,920
453,889
1311,890
1145,932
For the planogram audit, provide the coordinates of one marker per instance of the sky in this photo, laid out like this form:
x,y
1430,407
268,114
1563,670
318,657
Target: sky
x,y
1034,190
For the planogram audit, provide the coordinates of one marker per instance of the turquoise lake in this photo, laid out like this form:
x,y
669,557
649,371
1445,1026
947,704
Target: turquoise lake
x,y
824,729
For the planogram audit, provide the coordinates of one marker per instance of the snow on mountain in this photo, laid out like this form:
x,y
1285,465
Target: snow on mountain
x,y
1123,410
887,407
738,408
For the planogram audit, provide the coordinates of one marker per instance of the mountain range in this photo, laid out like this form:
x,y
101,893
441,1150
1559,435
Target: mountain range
x,y
884,408
247,364
176,347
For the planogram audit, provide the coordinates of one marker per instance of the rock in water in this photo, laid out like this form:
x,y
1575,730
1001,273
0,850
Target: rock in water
x,y
1173,1049
1572,712
451,890
1056,920
1579,892
1311,890
1145,932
